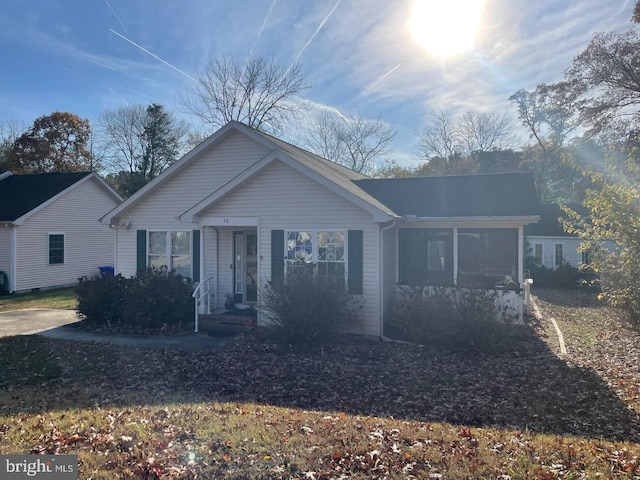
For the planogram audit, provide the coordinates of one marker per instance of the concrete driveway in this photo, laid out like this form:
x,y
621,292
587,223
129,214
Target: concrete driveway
x,y
52,323
34,320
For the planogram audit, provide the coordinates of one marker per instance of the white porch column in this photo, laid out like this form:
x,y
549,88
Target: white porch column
x,y
521,256
455,255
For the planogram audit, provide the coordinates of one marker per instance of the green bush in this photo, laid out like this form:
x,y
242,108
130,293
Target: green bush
x,y
149,300
99,299
454,317
307,307
155,297
564,276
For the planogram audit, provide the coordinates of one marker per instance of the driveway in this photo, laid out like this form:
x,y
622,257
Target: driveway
x,y
52,323
34,320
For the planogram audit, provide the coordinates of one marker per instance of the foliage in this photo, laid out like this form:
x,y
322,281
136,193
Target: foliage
x,y
457,317
564,276
100,298
354,142
10,130
258,93
148,301
58,142
308,307
614,219
139,143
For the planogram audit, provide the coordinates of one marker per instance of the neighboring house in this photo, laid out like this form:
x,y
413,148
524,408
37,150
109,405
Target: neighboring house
x,y
243,207
49,230
550,246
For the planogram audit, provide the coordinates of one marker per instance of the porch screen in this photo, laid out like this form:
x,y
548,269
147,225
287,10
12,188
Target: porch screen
x,y
425,256
487,257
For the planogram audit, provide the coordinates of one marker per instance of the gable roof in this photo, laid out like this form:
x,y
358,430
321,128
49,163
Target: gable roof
x,y
19,194
484,195
336,177
549,226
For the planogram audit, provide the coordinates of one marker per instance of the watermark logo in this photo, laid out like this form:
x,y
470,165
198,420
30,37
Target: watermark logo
x,y
49,467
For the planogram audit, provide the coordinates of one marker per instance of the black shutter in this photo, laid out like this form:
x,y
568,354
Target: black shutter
x,y
141,250
277,257
196,256
355,254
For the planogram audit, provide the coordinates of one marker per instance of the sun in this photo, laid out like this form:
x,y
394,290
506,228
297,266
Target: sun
x,y
446,27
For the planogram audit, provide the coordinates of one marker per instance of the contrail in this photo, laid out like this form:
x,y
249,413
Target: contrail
x,y
264,24
117,17
382,78
153,55
317,30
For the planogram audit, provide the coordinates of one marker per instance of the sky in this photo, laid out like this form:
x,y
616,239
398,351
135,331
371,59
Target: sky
x,y
361,56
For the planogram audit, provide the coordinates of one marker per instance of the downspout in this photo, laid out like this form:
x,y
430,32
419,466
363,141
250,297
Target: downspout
x,y
381,289
115,250
14,258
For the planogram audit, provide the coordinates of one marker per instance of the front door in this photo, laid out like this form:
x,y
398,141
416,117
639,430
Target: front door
x,y
245,266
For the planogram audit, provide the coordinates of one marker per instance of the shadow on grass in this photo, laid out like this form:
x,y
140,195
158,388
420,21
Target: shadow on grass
x,y
523,387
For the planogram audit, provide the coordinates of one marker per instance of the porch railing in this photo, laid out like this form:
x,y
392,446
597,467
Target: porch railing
x,y
202,292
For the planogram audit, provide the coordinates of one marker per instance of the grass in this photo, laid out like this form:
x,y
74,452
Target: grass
x,y
62,298
349,410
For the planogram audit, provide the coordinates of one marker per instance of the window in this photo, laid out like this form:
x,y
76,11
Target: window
x,y
559,258
487,256
537,254
323,251
586,257
56,248
425,256
171,250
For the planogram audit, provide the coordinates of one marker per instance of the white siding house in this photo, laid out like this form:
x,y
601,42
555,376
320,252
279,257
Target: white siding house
x,y
49,230
243,207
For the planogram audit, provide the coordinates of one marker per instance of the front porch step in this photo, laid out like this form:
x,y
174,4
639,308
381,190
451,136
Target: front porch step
x,y
225,323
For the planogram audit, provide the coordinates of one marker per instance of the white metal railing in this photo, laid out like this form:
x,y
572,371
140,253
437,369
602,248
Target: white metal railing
x,y
202,291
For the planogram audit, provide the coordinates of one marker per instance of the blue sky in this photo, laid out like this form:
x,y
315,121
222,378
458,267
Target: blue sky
x,y
81,55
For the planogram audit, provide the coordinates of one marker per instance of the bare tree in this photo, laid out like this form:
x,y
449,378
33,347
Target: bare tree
x,y
440,138
139,142
486,131
360,144
259,93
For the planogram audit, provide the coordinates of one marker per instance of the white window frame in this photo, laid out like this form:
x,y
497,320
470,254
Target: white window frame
x,y
535,258
64,247
167,253
555,255
315,247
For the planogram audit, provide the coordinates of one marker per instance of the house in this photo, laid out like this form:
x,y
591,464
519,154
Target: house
x,y
49,230
550,246
243,207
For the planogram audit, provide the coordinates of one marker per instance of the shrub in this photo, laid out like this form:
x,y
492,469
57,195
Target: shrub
x,y
99,299
157,296
455,317
149,300
308,306
564,276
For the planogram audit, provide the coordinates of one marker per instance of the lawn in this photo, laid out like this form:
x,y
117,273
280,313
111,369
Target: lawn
x,y
63,298
354,409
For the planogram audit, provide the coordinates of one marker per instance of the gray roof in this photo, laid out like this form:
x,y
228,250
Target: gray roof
x,y
19,194
484,195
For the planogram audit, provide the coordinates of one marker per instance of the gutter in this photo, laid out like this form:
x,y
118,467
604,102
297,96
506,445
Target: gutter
x,y
381,289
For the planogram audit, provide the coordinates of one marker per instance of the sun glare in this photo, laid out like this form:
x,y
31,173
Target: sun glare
x,y
446,27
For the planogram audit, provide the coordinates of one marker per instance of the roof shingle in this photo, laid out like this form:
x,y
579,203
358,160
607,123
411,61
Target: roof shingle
x,y
19,194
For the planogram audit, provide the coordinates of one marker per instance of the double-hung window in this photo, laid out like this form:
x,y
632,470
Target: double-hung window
x,y
170,249
537,254
55,248
559,256
323,251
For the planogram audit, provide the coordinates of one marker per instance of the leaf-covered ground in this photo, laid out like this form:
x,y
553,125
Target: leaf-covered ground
x,y
356,409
